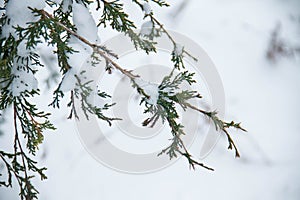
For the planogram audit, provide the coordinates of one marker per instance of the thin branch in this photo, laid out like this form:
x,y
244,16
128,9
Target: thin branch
x,y
9,168
22,152
96,49
161,26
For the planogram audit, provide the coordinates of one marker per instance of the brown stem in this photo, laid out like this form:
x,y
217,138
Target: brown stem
x,y
22,152
94,46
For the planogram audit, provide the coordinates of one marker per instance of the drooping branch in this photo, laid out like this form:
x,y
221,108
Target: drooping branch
x,y
102,51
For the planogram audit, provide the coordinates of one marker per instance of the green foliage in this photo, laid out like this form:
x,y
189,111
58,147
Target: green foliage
x,y
19,164
114,15
165,108
55,29
84,93
177,60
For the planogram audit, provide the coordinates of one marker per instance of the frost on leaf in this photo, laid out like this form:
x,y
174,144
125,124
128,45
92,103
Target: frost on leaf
x,y
22,50
86,28
151,89
19,14
23,80
147,8
84,23
178,50
147,28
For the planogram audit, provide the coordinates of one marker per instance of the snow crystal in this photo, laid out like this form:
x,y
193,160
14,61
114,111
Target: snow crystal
x,y
66,4
69,81
147,8
2,5
21,50
120,21
178,50
75,60
96,100
86,27
84,22
170,91
151,89
146,28
19,14
23,80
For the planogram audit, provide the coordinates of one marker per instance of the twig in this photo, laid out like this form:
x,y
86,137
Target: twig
x,y
97,48
22,153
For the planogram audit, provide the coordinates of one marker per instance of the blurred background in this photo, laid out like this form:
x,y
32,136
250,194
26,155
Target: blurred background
x,y
255,46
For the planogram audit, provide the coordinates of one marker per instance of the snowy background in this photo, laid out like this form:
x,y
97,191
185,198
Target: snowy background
x,y
262,94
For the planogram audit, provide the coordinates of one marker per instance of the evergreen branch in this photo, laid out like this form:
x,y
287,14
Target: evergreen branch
x,y
20,170
178,143
98,49
220,125
83,92
56,29
113,14
132,76
31,129
162,28
72,105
